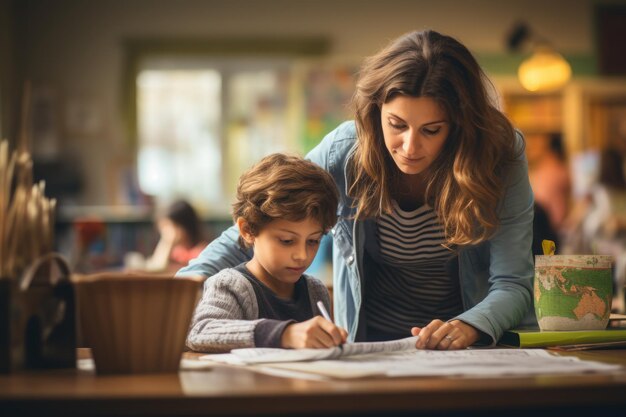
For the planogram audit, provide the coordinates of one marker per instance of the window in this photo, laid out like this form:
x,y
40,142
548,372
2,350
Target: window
x,y
179,115
201,123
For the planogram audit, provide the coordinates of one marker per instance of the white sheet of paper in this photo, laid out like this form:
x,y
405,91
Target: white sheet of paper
x,y
465,363
274,355
494,362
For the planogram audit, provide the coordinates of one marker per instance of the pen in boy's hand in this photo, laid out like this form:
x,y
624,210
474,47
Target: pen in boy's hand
x,y
322,310
325,314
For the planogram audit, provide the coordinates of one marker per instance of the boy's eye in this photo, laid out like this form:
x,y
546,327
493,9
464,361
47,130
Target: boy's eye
x,y
314,242
286,241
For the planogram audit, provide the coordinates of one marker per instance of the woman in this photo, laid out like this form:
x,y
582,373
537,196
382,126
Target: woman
x,y
435,216
606,204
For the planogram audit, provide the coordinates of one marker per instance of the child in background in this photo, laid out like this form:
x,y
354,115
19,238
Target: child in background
x,y
180,240
284,206
181,235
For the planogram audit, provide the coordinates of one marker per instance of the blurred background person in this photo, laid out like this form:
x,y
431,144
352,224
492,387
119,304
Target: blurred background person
x,y
542,230
181,239
550,180
599,219
606,214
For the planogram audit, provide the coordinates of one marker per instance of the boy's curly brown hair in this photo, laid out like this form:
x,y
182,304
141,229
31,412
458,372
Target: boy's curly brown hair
x,y
288,187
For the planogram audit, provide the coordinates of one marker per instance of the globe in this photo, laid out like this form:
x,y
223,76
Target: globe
x,y
573,292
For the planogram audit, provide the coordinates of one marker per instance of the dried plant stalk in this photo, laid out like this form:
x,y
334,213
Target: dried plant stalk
x,y
26,215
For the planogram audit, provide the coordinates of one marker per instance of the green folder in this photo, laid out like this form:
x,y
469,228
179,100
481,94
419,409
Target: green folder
x,y
537,338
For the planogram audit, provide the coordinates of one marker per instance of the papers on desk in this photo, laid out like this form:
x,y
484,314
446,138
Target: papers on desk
x,y
497,362
413,362
252,356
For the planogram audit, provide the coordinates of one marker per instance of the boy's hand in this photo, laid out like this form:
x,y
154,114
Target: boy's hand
x,y
315,333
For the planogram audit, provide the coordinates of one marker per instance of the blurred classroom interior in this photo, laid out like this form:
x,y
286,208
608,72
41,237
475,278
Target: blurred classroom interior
x,y
128,106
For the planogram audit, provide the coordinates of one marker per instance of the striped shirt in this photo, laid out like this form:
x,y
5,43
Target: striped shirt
x,y
408,283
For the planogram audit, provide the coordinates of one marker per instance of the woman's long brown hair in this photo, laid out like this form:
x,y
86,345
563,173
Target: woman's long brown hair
x,y
466,181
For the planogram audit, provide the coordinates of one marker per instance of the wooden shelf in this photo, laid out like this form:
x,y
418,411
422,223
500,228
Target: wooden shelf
x,y
535,114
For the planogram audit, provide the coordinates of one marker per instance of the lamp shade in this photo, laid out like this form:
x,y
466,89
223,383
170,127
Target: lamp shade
x,y
544,70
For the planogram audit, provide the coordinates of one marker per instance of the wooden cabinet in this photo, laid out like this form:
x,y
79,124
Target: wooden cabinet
x,y
535,113
588,113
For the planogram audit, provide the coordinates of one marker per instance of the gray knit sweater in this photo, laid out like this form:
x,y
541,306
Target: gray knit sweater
x,y
228,313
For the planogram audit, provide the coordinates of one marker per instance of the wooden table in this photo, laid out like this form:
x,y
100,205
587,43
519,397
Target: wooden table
x,y
240,392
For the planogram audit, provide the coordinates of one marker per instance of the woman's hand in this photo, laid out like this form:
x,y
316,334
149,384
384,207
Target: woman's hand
x,y
315,333
442,335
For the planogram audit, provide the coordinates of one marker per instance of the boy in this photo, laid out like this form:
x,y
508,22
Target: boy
x,y
284,206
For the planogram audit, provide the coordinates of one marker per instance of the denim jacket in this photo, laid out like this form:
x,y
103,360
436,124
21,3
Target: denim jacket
x,y
495,276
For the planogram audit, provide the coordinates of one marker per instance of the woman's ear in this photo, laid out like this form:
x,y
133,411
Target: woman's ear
x,y
244,231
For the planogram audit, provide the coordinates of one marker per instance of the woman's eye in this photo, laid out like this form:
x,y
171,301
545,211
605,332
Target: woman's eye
x,y
396,126
431,132
286,241
314,242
